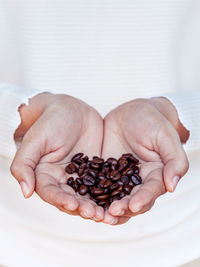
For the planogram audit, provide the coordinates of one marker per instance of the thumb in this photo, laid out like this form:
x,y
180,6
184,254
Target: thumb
x,y
25,161
173,156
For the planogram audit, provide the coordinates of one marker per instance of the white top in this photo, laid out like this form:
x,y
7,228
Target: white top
x,y
105,53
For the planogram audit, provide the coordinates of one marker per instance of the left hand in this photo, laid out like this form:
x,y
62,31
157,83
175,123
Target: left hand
x,y
151,130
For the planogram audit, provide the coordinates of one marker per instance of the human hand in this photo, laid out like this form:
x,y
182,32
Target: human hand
x,y
151,130
53,129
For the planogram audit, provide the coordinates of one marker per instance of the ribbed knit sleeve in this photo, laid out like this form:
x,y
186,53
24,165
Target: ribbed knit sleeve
x,y
187,104
11,97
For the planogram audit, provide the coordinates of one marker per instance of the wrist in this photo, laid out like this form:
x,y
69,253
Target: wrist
x,y
169,111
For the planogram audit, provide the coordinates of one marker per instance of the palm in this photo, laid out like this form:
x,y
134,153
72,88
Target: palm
x,y
139,136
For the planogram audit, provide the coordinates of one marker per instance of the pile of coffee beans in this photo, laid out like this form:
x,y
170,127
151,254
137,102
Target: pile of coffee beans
x,y
104,181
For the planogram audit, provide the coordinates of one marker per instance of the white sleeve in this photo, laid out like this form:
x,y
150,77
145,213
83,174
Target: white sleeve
x,y
187,104
11,97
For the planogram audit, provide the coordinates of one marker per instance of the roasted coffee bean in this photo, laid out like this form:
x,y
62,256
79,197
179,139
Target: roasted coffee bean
x,y
130,158
88,164
83,175
112,168
115,175
136,170
105,183
88,180
127,155
132,165
70,168
128,172
120,182
83,189
101,176
114,186
107,175
81,169
136,179
106,206
94,166
133,159
103,202
106,190
106,165
122,194
93,173
131,183
97,181
113,163
127,189
79,161
102,197
123,164
76,157
117,191
121,160
116,198
125,180
105,170
97,160
97,191
79,181
70,181
76,185
85,159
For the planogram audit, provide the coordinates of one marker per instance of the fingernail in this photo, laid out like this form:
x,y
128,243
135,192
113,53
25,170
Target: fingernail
x,y
136,208
120,213
115,221
175,182
70,206
96,220
25,189
84,214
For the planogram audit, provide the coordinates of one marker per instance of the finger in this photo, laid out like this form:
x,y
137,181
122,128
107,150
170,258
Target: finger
x,y
99,215
173,156
86,209
110,219
66,210
25,161
121,207
50,191
118,207
148,192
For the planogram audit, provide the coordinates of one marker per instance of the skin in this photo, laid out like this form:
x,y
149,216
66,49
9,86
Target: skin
x,y
62,128
150,129
139,127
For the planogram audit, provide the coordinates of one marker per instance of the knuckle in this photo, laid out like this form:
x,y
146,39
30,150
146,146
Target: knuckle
x,y
14,169
184,165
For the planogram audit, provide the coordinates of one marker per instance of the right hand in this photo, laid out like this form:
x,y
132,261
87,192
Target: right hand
x,y
53,129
